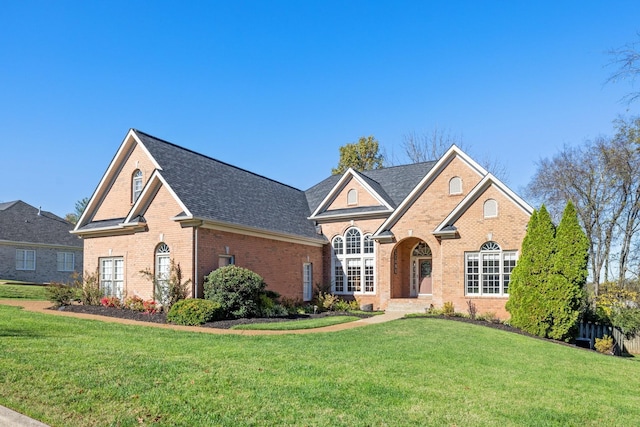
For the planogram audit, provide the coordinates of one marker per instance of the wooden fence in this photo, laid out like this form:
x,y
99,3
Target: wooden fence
x,y
589,331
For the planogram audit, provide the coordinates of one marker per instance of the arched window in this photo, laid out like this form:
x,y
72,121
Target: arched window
x,y
352,197
422,249
353,264
488,272
136,185
490,208
455,185
338,245
354,241
163,271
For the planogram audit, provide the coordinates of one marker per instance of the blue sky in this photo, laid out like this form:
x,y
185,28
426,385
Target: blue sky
x,y
276,87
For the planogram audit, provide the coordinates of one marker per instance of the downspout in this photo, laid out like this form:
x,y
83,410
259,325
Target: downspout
x,y
195,262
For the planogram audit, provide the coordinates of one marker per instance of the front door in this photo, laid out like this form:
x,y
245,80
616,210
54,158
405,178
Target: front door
x,y
424,279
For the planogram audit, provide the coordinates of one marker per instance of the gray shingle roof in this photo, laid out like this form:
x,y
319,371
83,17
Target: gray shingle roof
x,y
211,189
393,183
21,222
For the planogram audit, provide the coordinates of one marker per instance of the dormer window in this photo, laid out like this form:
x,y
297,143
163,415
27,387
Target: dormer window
x,y
136,185
490,208
455,185
352,197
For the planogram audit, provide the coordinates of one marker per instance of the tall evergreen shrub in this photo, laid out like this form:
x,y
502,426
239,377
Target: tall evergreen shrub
x,y
530,277
565,293
236,289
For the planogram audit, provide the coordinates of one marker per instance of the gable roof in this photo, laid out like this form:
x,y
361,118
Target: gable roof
x,y
392,184
208,189
426,180
21,222
447,226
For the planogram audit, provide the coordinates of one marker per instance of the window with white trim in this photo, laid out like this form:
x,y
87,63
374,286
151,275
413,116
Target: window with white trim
x,y
455,185
163,271
25,259
136,185
490,208
112,276
66,261
488,272
307,281
353,264
352,197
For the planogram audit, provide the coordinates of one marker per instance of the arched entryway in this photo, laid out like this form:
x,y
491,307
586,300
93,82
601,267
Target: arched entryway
x,y
421,270
412,269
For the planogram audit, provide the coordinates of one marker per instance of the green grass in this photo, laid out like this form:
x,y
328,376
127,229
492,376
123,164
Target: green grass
x,y
72,372
31,292
298,324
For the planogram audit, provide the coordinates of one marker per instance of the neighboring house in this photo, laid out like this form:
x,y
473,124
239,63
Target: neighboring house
x,y
403,237
36,246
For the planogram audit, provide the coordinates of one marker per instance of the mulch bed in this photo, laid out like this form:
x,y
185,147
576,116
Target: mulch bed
x,y
162,317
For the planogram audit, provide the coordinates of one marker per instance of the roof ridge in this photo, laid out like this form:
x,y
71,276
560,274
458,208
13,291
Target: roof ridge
x,y
216,160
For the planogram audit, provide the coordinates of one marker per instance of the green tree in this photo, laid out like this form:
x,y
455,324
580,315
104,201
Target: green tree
x,y
566,287
530,278
80,206
363,155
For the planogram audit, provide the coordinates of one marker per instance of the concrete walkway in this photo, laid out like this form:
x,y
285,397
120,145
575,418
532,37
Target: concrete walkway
x,y
15,419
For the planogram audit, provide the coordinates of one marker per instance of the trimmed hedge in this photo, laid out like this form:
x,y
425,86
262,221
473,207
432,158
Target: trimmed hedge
x,y
238,290
194,312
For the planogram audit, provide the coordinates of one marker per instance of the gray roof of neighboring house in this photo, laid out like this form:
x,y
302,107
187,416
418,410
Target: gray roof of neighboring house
x,y
21,222
211,189
393,183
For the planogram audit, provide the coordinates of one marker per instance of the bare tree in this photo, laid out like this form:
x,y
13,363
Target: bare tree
x,y
602,179
627,61
431,146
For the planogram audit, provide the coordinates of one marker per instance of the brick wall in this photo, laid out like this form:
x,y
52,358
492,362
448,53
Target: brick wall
x,y
364,197
278,262
118,201
138,250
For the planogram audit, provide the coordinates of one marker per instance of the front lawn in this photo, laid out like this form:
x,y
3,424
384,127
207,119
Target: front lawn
x,y
298,324
30,292
72,372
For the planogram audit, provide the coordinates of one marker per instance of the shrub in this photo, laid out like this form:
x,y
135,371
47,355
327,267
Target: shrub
x,y
89,286
111,302
604,345
276,310
627,319
134,303
326,301
172,290
341,305
472,310
150,307
193,312
61,294
236,289
292,305
448,309
489,316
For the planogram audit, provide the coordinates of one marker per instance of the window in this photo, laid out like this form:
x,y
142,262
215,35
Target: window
x,y
66,261
455,185
136,185
25,259
353,269
352,197
488,272
307,281
163,271
490,209
112,276
224,260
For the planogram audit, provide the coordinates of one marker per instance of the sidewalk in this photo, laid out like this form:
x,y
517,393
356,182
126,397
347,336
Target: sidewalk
x,y
16,419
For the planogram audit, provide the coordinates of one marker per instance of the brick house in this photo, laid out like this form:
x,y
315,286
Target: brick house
x,y
35,245
402,237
